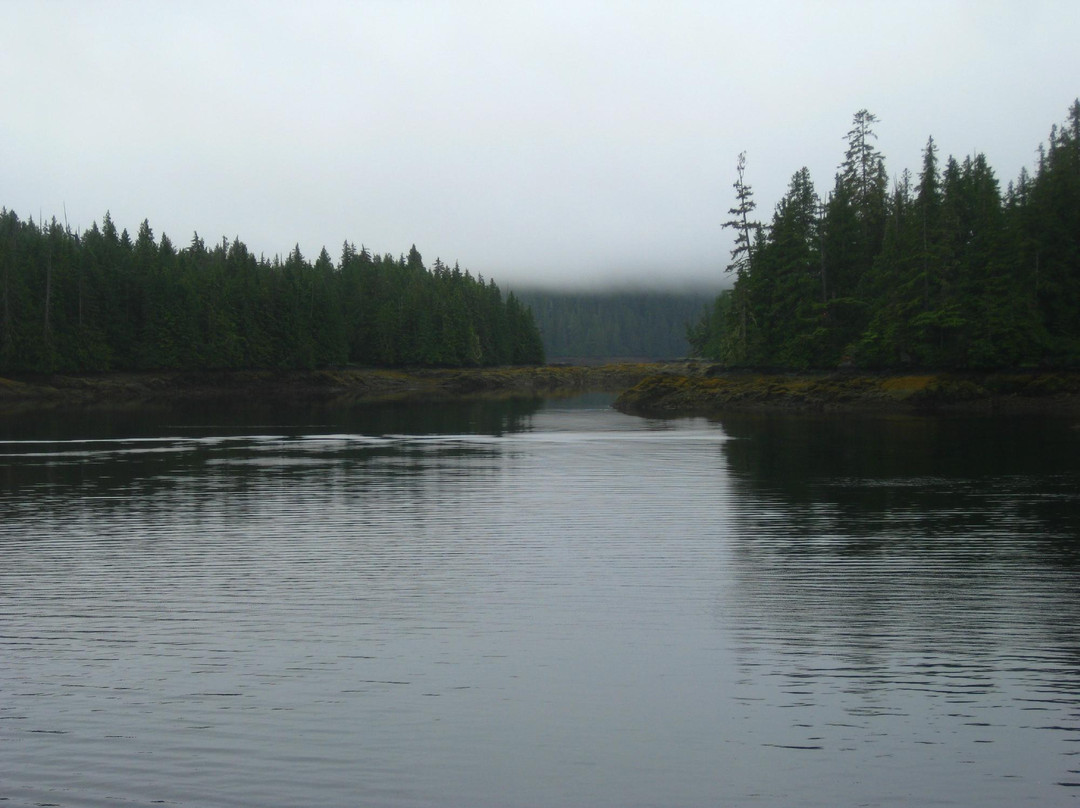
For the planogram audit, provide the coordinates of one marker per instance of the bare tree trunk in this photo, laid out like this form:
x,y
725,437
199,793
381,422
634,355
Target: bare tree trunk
x,y
48,291
9,260
821,250
925,262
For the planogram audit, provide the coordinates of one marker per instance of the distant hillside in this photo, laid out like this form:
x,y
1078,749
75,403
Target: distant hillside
x,y
610,324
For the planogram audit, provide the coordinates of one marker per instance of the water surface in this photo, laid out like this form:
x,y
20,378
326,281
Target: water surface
x,y
537,604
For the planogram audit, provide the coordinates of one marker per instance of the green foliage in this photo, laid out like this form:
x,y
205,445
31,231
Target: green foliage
x,y
944,272
100,301
606,325
746,228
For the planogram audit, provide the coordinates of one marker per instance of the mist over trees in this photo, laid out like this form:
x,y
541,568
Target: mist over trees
x,y
611,324
101,300
939,270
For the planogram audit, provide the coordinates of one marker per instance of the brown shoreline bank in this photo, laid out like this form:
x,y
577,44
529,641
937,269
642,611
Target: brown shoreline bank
x,y
715,390
133,389
650,389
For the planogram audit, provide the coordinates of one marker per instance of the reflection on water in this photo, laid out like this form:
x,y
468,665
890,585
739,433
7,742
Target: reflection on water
x,y
252,417
919,576
534,604
60,448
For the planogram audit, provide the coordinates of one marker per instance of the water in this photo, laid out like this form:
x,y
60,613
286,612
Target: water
x,y
537,604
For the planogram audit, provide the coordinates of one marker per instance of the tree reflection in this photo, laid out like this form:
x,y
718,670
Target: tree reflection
x,y
86,453
889,545
869,483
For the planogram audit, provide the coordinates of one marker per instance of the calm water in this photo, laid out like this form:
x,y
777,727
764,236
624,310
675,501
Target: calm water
x,y
537,604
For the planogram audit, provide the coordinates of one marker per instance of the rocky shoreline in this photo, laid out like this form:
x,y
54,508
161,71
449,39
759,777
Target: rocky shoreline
x,y
323,386
653,389
714,390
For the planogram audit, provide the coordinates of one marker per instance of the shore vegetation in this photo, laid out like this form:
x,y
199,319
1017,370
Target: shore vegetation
x,y
940,270
101,300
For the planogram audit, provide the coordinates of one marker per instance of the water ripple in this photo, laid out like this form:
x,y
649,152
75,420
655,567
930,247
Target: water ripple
x,y
591,610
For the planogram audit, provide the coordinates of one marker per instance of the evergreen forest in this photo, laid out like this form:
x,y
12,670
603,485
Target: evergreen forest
x,y
940,270
100,300
599,325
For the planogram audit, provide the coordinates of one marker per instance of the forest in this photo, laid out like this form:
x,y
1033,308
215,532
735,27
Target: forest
x,y
615,324
941,270
100,300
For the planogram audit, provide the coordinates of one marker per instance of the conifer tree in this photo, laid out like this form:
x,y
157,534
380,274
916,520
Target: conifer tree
x,y
747,234
741,222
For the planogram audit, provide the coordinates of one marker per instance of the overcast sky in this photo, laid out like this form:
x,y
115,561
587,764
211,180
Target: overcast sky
x,y
550,142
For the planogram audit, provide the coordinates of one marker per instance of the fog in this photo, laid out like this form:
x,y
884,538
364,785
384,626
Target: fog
x,y
553,144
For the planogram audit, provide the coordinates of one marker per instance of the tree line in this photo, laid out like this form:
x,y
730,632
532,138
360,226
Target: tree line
x,y
615,324
937,270
100,300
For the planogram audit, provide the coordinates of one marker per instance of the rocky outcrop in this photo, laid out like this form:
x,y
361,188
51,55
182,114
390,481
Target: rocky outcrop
x,y
715,391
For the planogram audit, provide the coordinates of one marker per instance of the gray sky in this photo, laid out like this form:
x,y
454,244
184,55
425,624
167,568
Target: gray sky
x,y
551,142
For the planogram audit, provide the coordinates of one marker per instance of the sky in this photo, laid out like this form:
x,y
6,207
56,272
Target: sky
x,y
537,143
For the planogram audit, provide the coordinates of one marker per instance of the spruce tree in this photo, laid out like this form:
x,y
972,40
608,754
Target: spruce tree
x,y
741,222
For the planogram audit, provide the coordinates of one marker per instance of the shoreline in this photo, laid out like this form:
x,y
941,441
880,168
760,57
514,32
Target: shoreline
x,y
343,385
661,389
718,390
